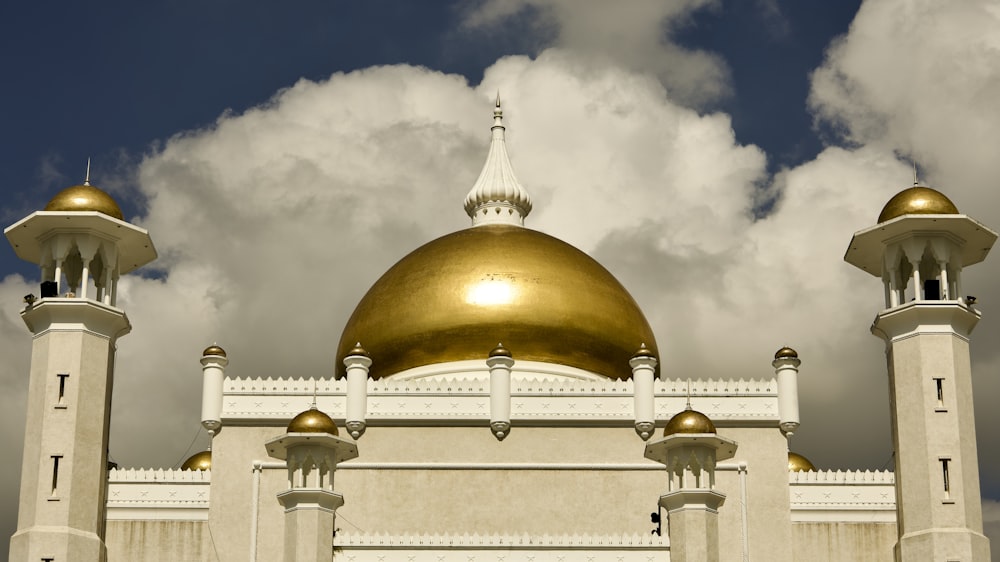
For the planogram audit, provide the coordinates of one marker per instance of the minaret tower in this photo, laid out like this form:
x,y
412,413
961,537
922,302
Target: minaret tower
x,y
82,245
918,249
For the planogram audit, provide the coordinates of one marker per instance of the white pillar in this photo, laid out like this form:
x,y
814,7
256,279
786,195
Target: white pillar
x,y
213,367
786,370
357,362
500,363
643,365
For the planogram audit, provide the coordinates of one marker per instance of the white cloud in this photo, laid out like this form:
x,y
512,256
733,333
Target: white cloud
x,y
634,35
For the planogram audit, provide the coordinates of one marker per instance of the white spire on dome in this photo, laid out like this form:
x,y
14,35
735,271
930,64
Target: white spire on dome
x,y
497,196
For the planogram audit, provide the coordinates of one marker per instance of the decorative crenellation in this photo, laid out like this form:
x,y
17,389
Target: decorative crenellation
x,y
532,399
852,495
416,541
158,475
158,494
842,477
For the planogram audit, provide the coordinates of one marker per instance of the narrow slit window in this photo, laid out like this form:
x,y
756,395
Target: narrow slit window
x,y
55,473
62,387
946,477
939,384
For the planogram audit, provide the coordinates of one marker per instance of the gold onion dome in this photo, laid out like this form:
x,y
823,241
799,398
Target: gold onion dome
x,y
85,198
458,295
214,350
798,463
198,461
786,353
312,421
917,200
689,421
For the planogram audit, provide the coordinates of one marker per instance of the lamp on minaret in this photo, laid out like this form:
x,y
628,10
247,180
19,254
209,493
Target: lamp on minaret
x,y
497,196
357,363
690,449
918,249
643,365
82,245
500,362
312,450
786,370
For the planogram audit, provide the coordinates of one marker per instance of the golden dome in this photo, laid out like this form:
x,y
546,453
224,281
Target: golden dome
x,y
85,198
689,421
214,350
198,461
786,353
798,463
455,297
312,421
917,200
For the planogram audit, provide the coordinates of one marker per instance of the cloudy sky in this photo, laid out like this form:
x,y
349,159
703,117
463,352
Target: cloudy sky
x,y
716,156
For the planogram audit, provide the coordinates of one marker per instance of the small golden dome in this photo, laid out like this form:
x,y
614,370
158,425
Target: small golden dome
x,y
85,198
214,350
312,421
357,350
456,296
689,421
198,461
786,353
917,200
500,351
798,463
643,351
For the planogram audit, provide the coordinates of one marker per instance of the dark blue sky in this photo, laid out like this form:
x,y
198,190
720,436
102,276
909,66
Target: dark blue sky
x,y
110,79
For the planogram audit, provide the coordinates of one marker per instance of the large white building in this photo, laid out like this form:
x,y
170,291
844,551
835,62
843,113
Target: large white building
x,y
498,399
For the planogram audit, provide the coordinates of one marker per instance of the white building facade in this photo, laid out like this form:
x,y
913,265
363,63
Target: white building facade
x,y
498,388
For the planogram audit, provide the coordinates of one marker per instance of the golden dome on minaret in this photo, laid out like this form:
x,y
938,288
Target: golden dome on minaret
x,y
312,421
457,296
198,461
917,200
689,421
798,463
85,198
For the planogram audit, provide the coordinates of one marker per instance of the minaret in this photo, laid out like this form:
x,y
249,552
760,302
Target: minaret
x,y
497,197
312,449
82,245
690,449
918,249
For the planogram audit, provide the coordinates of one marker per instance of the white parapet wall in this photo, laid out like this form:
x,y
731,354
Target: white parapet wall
x,y
499,548
842,496
465,400
148,494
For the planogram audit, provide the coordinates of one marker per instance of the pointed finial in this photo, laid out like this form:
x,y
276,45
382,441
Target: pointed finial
x,y
915,182
497,196
313,405
86,180
688,405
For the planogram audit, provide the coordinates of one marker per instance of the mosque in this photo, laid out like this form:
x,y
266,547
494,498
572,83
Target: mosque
x,y
498,398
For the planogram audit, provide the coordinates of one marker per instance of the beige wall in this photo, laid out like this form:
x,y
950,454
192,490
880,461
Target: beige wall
x,y
159,541
844,542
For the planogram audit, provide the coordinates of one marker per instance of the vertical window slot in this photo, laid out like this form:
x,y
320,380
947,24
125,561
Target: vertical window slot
x,y
55,473
62,388
946,477
939,384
